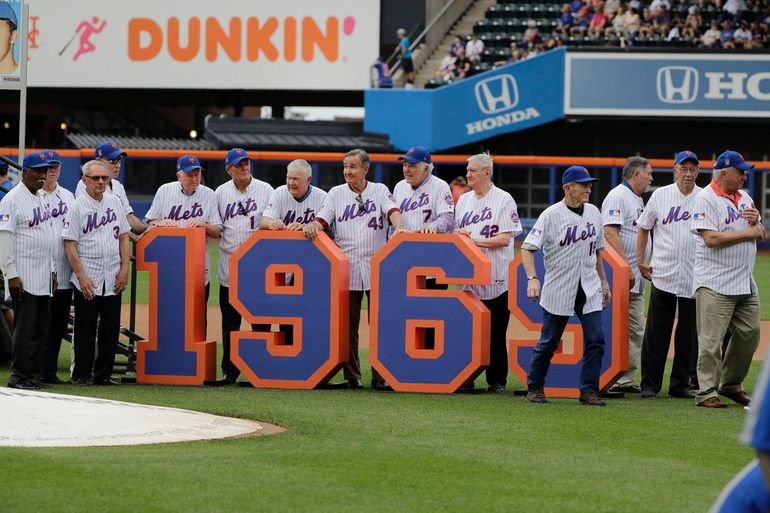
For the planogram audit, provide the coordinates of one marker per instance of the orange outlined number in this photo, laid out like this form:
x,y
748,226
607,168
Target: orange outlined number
x,y
563,379
282,278
176,352
403,311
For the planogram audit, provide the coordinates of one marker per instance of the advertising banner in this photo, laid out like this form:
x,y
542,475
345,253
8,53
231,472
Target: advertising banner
x,y
511,98
713,85
12,33
229,44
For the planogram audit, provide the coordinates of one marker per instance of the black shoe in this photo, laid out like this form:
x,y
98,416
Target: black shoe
x,y
381,387
53,380
38,383
23,385
496,388
229,378
681,394
341,385
648,394
81,382
355,384
466,390
109,382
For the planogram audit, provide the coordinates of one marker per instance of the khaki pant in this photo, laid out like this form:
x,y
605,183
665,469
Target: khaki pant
x,y
635,336
715,314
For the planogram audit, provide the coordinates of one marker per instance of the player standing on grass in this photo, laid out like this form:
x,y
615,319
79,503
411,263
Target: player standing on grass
x,y
570,235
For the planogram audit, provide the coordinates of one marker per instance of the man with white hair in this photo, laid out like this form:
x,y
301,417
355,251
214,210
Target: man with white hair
x,y
295,204
728,227
488,216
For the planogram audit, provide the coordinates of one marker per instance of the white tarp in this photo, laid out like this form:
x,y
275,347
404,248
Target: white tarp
x,y
39,419
196,44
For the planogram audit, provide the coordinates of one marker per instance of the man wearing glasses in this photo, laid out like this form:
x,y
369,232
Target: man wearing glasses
x,y
98,249
241,202
727,226
358,212
187,203
27,238
109,153
667,216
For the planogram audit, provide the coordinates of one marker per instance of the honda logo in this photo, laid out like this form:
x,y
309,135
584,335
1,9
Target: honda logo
x,y
497,94
677,84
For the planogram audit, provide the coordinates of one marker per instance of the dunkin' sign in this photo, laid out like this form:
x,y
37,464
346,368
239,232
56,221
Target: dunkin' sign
x,y
224,45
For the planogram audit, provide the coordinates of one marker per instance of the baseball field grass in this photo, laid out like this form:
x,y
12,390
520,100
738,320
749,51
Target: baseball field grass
x,y
364,451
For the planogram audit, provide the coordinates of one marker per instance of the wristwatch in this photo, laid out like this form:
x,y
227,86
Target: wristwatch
x,y
533,277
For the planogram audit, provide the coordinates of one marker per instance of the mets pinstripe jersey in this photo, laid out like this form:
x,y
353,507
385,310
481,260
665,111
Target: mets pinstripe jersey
x,y
240,213
60,202
171,202
728,270
422,206
569,242
622,207
282,205
486,217
360,224
667,215
115,188
97,226
756,430
26,216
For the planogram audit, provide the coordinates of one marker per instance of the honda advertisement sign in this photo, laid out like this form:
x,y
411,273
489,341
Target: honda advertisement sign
x,y
196,44
511,98
712,85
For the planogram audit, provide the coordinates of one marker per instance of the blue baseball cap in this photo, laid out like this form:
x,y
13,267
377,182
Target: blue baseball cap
x,y
36,160
686,155
7,13
416,154
235,155
732,159
109,150
577,174
188,163
53,157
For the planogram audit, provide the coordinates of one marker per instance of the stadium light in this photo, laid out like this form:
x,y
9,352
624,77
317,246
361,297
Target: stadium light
x,y
193,134
63,126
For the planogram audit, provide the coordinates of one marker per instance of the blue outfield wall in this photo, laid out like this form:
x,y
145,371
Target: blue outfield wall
x,y
508,99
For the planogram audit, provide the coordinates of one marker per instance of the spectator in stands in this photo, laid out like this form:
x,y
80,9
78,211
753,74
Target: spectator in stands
x,y
712,37
617,23
457,44
531,35
631,23
516,56
462,65
732,10
661,20
446,69
646,23
726,35
383,78
582,20
566,20
657,5
693,23
406,58
576,5
675,32
742,36
598,24
474,49
611,8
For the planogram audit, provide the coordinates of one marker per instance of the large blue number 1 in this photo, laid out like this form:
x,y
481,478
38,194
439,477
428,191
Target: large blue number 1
x,y
176,351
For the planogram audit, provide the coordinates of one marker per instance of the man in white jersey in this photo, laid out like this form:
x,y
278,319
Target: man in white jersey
x,y
749,491
291,207
59,201
570,235
489,217
620,210
98,249
667,217
112,156
728,227
358,212
188,204
241,203
295,204
425,203
26,258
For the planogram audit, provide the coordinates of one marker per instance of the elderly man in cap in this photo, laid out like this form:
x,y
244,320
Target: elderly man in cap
x,y
241,203
188,204
727,226
489,217
8,36
27,240
424,200
109,153
570,235
620,209
667,217
359,212
59,202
